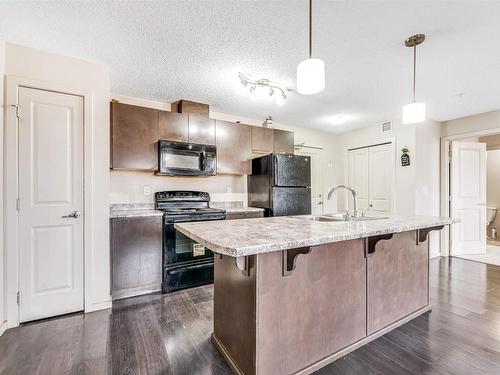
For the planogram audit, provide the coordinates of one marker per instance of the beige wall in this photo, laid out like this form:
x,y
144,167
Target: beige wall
x,y
493,185
470,124
2,255
78,75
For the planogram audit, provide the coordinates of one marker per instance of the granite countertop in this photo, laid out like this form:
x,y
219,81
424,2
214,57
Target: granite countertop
x,y
113,214
261,235
133,210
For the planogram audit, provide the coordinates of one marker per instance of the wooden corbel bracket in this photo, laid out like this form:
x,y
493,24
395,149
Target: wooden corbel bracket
x,y
371,242
424,232
243,264
289,258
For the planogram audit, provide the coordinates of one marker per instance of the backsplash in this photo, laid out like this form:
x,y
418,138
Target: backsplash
x,y
128,186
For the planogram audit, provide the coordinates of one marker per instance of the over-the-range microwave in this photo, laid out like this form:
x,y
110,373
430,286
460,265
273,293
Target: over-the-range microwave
x,y
186,159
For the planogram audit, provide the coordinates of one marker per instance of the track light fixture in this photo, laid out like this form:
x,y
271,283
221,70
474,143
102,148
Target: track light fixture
x,y
264,85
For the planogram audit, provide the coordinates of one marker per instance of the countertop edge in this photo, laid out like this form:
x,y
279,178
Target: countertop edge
x,y
261,249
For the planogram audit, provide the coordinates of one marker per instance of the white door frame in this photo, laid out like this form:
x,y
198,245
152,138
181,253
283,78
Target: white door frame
x,y
445,180
392,141
11,230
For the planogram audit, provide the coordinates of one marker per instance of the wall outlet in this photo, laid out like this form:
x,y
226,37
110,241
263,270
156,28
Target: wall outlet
x,y
146,190
228,190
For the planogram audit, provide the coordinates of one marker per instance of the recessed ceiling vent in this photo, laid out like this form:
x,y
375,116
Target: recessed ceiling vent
x,y
386,126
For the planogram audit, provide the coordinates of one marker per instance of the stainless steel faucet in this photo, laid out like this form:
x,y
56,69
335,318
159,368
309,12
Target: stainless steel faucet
x,y
333,189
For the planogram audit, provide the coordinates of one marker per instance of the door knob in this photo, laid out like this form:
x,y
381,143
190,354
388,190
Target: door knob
x,y
73,215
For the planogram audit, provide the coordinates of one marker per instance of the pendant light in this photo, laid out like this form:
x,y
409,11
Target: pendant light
x,y
310,72
414,112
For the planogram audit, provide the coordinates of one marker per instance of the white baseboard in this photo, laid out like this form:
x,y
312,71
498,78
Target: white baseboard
x,y
3,327
96,306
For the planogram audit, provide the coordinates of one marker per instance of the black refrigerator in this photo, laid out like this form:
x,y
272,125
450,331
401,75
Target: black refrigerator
x,y
281,184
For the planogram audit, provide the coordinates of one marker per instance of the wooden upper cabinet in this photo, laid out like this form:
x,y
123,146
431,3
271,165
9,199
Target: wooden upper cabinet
x,y
201,129
262,140
173,126
195,108
234,148
134,134
283,141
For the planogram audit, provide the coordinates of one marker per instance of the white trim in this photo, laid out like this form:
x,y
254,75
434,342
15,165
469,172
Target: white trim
x,y
445,180
96,306
3,327
11,190
392,141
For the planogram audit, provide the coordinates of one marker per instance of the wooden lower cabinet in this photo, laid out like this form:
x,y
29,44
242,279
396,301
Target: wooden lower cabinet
x,y
291,320
334,300
398,280
136,256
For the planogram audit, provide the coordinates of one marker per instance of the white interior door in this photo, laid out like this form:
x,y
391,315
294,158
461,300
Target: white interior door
x,y
50,188
380,179
358,177
317,194
468,197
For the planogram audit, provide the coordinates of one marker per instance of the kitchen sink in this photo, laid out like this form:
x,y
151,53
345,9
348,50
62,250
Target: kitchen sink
x,y
342,217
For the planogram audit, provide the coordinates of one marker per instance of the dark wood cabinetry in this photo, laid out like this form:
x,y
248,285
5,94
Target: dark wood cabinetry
x,y
201,130
262,140
397,280
134,134
244,215
234,148
283,141
173,126
136,255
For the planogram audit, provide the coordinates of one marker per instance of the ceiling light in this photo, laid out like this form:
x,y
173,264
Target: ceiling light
x,y
337,119
414,112
310,72
264,88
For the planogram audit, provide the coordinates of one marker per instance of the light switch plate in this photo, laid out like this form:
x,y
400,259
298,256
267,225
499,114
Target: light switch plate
x,y
146,190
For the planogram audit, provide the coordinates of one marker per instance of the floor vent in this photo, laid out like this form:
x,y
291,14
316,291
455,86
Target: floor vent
x,y
386,126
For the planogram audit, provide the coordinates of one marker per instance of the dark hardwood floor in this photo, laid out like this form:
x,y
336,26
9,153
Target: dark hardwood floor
x,y
170,334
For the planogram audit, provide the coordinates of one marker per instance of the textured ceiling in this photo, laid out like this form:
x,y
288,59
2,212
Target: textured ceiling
x,y
194,50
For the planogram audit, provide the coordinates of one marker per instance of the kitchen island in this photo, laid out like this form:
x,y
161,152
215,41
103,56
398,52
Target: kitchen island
x,y
292,294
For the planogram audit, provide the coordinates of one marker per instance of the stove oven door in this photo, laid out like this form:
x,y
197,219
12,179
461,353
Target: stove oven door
x,y
178,248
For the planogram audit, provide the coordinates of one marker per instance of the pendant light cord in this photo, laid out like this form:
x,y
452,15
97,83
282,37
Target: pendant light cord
x,y
414,71
310,28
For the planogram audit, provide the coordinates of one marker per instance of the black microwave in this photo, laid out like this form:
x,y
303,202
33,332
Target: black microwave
x,y
186,159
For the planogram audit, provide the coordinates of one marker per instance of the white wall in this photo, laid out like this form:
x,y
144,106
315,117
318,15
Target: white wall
x,y
2,255
427,175
77,75
404,136
416,188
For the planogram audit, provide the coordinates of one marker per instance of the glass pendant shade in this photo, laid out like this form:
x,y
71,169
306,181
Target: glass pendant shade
x,y
311,76
413,113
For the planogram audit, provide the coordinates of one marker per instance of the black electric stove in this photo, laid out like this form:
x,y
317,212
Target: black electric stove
x,y
186,263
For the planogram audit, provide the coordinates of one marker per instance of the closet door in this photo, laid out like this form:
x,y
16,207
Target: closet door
x,y
358,177
380,167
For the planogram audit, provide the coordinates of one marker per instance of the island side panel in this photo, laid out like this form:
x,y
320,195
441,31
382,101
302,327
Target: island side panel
x,y
398,280
316,311
234,312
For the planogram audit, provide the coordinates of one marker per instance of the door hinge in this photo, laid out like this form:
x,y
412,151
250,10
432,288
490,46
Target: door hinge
x,y
18,297
18,204
16,106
